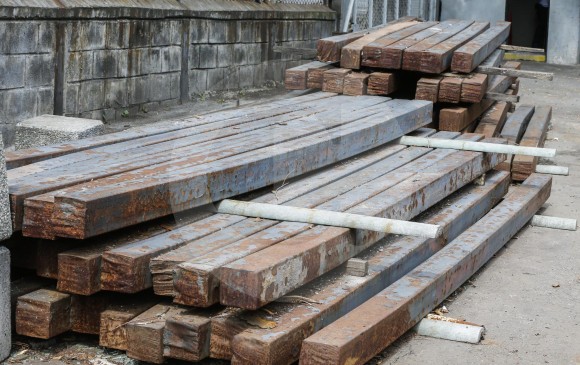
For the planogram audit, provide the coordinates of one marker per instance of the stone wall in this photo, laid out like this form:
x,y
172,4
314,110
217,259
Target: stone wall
x,y
81,58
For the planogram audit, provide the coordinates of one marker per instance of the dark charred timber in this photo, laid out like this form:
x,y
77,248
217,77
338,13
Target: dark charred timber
x,y
358,336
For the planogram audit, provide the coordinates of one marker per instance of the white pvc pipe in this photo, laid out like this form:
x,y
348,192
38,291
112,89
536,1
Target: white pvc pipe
x,y
450,330
568,224
347,16
327,218
477,146
553,170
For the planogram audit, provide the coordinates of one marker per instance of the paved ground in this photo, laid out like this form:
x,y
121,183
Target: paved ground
x,y
528,296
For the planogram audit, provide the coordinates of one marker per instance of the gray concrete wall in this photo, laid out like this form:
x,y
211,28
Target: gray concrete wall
x,y
564,32
82,58
489,10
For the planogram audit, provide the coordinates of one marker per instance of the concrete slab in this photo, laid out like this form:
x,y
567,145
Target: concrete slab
x,y
5,334
52,129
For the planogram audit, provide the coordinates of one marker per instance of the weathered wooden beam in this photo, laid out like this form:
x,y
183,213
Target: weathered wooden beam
x,y
412,55
368,329
43,314
315,76
534,136
473,88
85,312
112,331
516,73
382,83
509,47
335,293
469,56
356,84
514,129
450,90
502,97
296,78
438,58
298,259
88,209
428,88
492,120
333,80
21,287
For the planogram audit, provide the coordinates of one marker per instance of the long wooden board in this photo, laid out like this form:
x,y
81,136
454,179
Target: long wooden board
x,y
493,119
534,136
513,130
367,330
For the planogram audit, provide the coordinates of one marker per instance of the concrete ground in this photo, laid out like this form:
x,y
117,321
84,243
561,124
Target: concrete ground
x,y
528,296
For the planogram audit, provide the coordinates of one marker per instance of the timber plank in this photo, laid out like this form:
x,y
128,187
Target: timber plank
x,y
258,271
315,76
470,55
296,78
336,293
333,80
21,287
368,329
356,84
493,120
351,54
473,88
374,52
428,88
382,83
43,314
514,129
85,312
450,90
534,136
412,55
113,320
438,58
88,213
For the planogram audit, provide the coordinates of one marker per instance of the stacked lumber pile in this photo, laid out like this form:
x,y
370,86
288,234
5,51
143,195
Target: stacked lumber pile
x,y
125,242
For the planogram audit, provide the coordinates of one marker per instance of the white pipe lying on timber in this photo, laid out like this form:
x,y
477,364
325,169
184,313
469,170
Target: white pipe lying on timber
x,y
553,170
328,218
449,330
477,146
568,224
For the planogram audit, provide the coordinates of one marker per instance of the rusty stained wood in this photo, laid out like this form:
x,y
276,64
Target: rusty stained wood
x,y
534,136
356,84
450,90
43,314
428,88
358,336
20,158
126,268
113,320
257,279
197,281
133,197
47,256
412,55
473,89
296,78
22,286
438,58
351,54
469,56
374,52
492,120
85,313
201,146
315,76
382,83
335,294
333,80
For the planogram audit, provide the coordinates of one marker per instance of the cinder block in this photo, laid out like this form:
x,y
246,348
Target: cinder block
x,y
175,32
245,32
241,53
18,37
5,328
155,59
51,129
137,62
45,100
71,96
197,81
207,56
175,87
79,66
91,94
232,78
225,56
222,31
247,76
12,71
215,79
40,70
105,64
46,37
19,104
193,56
160,33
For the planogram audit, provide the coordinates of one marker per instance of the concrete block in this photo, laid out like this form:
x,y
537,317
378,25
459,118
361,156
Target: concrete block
x,y
160,32
19,104
199,31
139,33
207,56
171,59
46,37
79,66
115,93
12,71
155,60
193,56
260,74
5,227
245,32
5,328
175,79
51,129
225,56
91,94
247,76
137,62
138,89
39,70
86,35
564,33
232,78
254,52
117,34
105,64
215,79
71,96
262,30
197,82
241,53
18,37
45,100
222,31
160,86
175,32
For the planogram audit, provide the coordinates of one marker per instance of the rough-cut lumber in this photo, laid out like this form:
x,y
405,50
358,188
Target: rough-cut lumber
x,y
315,76
534,136
412,55
514,129
450,90
373,53
470,55
296,77
356,84
515,65
85,313
333,80
549,76
298,259
335,294
145,194
47,256
438,58
368,329
382,83
474,88
22,286
428,88
112,331
392,55
43,314
126,268
351,53
492,120
145,333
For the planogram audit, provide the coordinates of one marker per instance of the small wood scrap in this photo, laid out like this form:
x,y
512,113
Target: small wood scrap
x,y
357,267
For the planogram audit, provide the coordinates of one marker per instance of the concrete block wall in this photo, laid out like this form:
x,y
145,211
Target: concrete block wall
x,y
85,59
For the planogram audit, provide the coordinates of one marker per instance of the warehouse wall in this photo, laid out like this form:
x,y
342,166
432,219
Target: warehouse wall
x,y
79,58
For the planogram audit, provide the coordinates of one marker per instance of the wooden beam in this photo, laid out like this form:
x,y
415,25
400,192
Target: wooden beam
x,y
43,314
514,129
112,331
333,80
502,97
356,84
450,90
516,73
296,77
493,120
371,327
469,56
473,88
534,136
428,88
382,83
508,47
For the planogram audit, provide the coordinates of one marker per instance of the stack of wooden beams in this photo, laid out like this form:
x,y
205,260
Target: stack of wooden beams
x,y
122,229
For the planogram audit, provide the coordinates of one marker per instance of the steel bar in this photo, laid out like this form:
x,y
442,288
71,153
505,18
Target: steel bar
x,y
568,224
478,146
358,336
